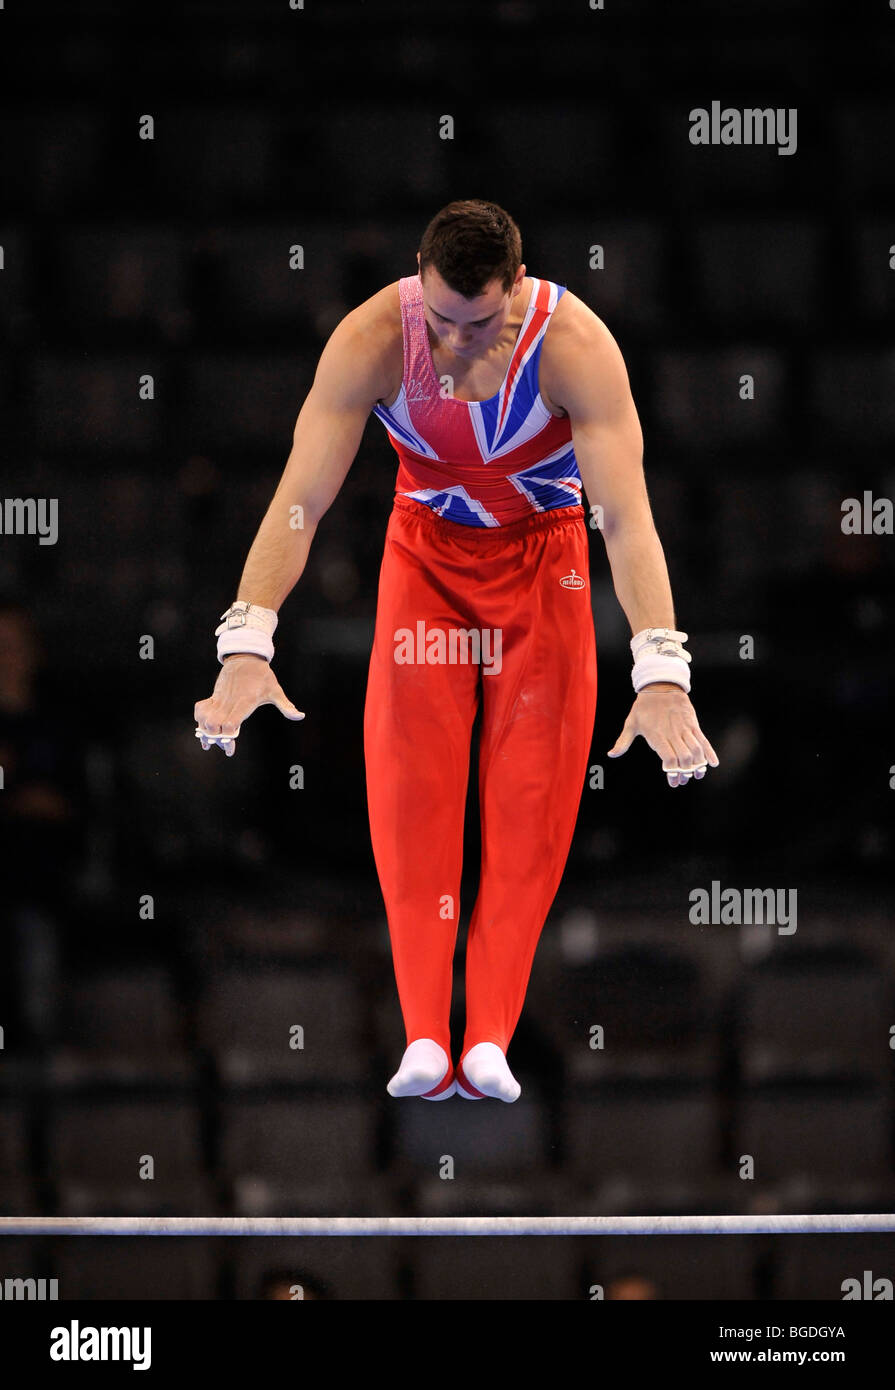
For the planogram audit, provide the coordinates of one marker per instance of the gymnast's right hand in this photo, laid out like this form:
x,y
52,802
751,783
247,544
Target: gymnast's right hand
x,y
244,682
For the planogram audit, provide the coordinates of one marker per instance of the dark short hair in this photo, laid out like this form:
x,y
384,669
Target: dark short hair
x,y
470,243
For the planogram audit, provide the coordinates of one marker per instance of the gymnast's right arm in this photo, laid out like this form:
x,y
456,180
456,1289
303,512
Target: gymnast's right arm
x,y
351,376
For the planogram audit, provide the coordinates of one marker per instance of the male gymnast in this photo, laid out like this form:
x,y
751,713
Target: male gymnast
x,y
503,394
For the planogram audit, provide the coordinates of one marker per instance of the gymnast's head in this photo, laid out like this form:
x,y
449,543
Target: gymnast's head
x,y
471,271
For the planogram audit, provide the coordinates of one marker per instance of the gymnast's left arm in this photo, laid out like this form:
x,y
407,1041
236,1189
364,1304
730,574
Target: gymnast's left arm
x,y
582,371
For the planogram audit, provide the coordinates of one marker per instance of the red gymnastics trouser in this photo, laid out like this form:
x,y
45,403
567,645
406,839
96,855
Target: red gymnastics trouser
x,y
535,737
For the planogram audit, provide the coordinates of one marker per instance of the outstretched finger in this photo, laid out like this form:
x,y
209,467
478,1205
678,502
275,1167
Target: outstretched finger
x,y
711,757
624,740
280,700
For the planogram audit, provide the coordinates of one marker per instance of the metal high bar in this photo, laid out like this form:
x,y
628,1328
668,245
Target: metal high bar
x,y
768,1224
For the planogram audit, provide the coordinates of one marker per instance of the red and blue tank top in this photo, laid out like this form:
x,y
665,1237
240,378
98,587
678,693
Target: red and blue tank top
x,y
480,463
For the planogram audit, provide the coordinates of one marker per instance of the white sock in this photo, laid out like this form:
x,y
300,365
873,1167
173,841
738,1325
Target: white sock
x,y
485,1067
423,1065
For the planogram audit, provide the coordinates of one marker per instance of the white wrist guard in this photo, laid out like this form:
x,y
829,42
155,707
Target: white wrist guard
x,y
246,628
659,656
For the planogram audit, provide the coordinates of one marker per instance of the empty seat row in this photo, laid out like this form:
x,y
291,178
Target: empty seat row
x,y
644,1128
426,1268
303,275
804,1009
721,395
244,155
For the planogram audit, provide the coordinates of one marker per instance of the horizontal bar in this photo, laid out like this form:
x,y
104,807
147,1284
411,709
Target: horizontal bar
x,y
771,1224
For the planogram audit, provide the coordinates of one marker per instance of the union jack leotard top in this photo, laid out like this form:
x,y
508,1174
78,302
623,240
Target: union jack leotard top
x,y
480,463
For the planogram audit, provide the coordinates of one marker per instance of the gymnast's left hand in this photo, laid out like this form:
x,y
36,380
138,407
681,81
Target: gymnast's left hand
x,y
663,715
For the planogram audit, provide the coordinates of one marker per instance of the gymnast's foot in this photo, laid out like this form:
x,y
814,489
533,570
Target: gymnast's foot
x,y
483,1072
425,1071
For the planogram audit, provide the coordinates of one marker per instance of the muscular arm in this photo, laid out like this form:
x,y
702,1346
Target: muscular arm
x,y
351,376
357,367
585,374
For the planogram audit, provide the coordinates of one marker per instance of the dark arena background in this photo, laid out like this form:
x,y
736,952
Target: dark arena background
x,y
198,1007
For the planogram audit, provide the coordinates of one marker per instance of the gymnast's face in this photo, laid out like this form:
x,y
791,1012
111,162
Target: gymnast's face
x,y
468,327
